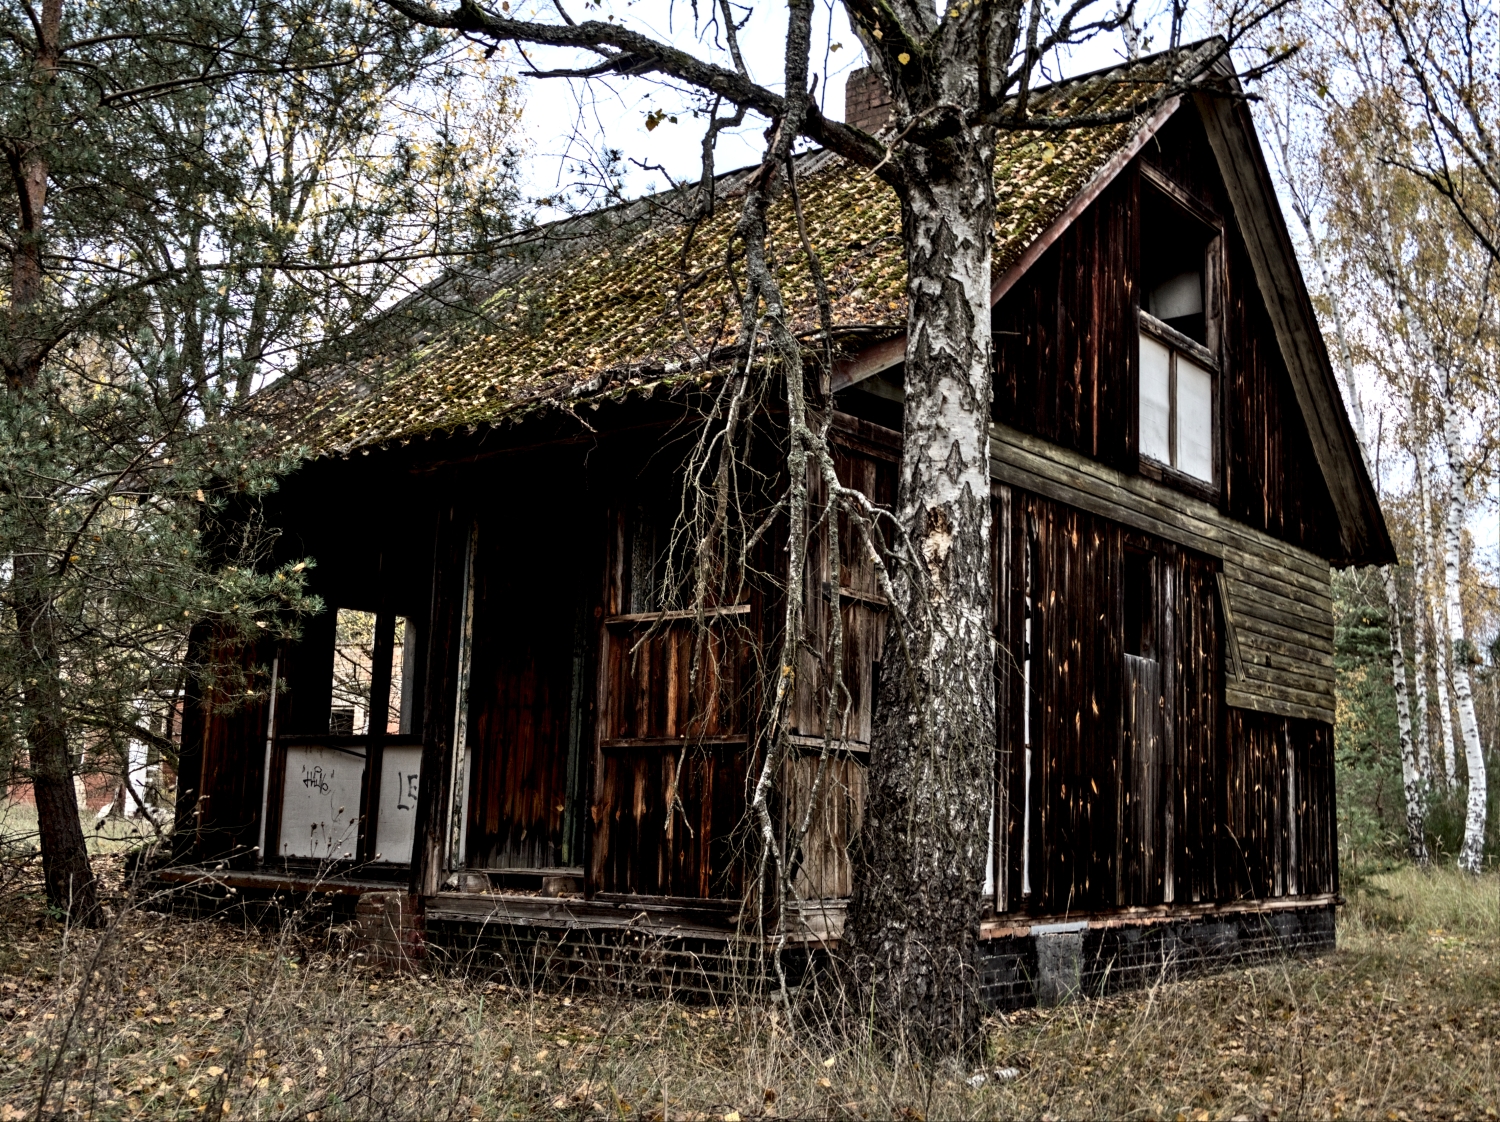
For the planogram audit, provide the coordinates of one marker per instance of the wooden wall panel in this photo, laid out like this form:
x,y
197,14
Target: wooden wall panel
x,y
824,869
1280,596
1065,352
671,749
1224,805
666,821
1272,480
520,691
1064,335
233,738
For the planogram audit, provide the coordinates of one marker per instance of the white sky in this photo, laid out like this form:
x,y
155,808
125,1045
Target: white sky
x,y
567,121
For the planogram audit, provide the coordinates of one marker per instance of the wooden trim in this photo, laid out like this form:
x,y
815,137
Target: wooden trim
x,y
1236,662
859,597
1003,927
1166,333
1081,202
814,744
1363,534
380,703
660,742
892,352
1180,196
676,615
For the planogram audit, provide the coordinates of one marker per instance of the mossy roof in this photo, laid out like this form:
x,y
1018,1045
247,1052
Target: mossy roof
x,y
612,308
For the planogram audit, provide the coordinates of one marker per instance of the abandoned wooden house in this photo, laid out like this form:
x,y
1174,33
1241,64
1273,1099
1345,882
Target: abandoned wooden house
x,y
489,508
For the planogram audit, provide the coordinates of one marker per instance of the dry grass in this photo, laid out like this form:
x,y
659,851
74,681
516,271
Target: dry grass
x,y
166,1017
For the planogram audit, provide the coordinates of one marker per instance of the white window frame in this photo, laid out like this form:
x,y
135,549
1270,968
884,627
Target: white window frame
x,y
1179,345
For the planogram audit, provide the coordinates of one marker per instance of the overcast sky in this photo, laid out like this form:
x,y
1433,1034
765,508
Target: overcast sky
x,y
569,123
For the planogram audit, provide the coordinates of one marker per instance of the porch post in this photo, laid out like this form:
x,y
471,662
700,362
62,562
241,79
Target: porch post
x,y
439,699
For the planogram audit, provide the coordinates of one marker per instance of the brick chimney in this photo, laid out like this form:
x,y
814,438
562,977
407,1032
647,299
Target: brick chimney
x,y
867,105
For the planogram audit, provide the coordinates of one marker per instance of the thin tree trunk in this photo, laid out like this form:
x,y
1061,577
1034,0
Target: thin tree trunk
x,y
1412,777
1443,648
914,919
1421,620
1471,855
65,860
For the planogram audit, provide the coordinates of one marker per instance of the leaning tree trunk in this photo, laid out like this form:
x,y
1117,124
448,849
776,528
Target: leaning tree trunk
x,y
914,919
1471,855
1412,777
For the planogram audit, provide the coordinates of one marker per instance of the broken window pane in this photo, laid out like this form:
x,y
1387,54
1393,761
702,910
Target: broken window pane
x,y
353,660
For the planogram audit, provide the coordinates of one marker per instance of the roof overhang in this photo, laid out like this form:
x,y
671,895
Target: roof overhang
x,y
1363,535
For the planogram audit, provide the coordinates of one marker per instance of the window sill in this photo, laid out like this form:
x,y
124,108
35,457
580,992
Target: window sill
x,y
1177,480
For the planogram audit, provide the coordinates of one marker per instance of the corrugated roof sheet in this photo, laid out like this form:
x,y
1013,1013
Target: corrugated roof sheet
x,y
610,307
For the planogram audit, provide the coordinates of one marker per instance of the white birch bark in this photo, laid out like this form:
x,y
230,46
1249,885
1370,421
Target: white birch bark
x,y
1471,855
1421,620
1442,648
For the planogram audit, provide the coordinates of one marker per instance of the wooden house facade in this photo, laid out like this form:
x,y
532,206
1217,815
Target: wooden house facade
x,y
502,711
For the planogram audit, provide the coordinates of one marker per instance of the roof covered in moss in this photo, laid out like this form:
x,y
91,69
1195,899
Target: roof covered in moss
x,y
612,305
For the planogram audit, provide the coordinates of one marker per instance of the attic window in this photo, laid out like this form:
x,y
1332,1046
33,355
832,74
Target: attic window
x,y
1178,335
1177,254
1176,409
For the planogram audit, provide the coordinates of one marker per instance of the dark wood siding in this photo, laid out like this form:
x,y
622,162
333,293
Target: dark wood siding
x,y
1145,788
1064,335
528,584
1271,477
1065,352
228,737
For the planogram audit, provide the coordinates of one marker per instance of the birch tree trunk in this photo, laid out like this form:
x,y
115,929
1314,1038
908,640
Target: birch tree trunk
x,y
1412,777
1421,620
914,919
1443,647
1471,855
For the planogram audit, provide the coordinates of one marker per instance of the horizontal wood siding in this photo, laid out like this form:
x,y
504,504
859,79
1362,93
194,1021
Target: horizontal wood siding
x,y
1280,597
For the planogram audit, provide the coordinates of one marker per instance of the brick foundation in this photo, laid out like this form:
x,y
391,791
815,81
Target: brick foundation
x,y
389,931
1052,963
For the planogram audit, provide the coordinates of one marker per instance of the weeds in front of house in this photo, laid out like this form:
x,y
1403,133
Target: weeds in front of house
x,y
163,1016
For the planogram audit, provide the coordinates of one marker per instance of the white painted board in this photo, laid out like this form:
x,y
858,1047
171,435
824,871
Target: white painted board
x,y
320,803
400,774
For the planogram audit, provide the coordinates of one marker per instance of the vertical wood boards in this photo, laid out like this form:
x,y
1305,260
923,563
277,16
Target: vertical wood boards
x,y
1067,366
223,731
671,748
527,585
440,689
1064,336
1145,788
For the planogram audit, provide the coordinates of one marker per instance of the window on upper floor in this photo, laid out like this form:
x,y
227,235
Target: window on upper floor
x,y
1178,368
